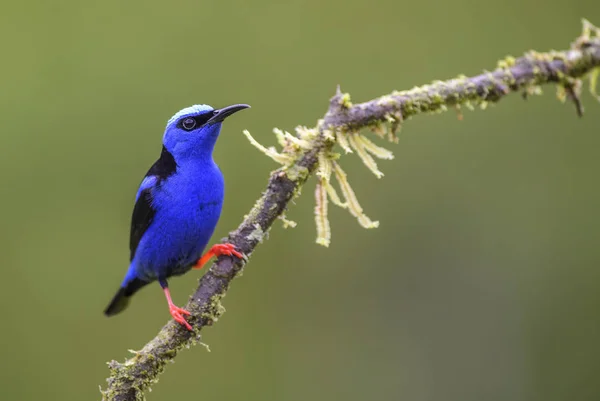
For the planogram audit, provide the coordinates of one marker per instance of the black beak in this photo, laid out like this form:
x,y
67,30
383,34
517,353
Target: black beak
x,y
221,114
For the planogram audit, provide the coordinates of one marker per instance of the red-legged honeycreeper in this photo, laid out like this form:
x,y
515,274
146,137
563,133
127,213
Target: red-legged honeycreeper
x,y
177,207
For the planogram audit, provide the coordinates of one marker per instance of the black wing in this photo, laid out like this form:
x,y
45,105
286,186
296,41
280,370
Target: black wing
x,y
143,211
143,214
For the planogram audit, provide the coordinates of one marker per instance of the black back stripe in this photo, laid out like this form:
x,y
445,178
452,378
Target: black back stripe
x,y
164,166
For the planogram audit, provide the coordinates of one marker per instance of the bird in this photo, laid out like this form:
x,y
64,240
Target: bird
x,y
177,207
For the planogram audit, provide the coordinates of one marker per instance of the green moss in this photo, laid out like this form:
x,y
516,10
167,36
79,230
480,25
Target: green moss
x,y
214,309
345,101
297,173
437,100
507,62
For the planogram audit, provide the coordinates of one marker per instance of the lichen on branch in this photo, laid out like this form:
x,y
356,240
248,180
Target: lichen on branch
x,y
312,150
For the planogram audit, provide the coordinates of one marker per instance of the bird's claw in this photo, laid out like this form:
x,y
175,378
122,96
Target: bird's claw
x,y
226,249
178,315
217,250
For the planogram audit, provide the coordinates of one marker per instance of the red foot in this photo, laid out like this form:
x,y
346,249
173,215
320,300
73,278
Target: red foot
x,y
218,250
176,311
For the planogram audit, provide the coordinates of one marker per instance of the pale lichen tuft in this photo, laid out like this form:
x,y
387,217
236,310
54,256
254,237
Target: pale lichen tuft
x,y
257,234
364,156
377,151
280,158
350,197
395,121
287,223
342,140
321,220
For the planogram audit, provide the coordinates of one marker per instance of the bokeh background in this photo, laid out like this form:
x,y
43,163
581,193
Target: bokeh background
x,y
482,282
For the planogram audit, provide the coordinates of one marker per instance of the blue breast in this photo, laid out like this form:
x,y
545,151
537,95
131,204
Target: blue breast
x,y
188,205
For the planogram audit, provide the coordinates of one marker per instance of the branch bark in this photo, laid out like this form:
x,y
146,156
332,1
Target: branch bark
x,y
129,380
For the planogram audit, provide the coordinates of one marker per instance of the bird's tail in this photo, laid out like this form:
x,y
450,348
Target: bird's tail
x,y
121,298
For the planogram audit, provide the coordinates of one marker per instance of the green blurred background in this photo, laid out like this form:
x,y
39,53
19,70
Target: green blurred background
x,y
480,284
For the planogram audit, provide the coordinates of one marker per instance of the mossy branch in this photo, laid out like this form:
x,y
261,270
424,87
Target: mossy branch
x,y
310,151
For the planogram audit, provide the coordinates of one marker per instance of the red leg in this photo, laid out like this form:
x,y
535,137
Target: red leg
x,y
218,250
176,311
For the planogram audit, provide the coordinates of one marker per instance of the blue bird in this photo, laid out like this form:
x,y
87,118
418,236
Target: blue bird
x,y
177,207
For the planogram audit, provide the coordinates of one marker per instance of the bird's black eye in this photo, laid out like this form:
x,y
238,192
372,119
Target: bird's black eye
x,y
188,124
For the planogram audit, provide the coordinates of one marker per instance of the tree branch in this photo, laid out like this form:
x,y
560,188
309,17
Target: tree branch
x,y
129,380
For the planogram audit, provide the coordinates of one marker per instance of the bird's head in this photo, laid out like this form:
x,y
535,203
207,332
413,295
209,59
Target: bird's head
x,y
193,131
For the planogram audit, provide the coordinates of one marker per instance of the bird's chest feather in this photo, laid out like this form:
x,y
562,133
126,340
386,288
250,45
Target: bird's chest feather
x,y
188,205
